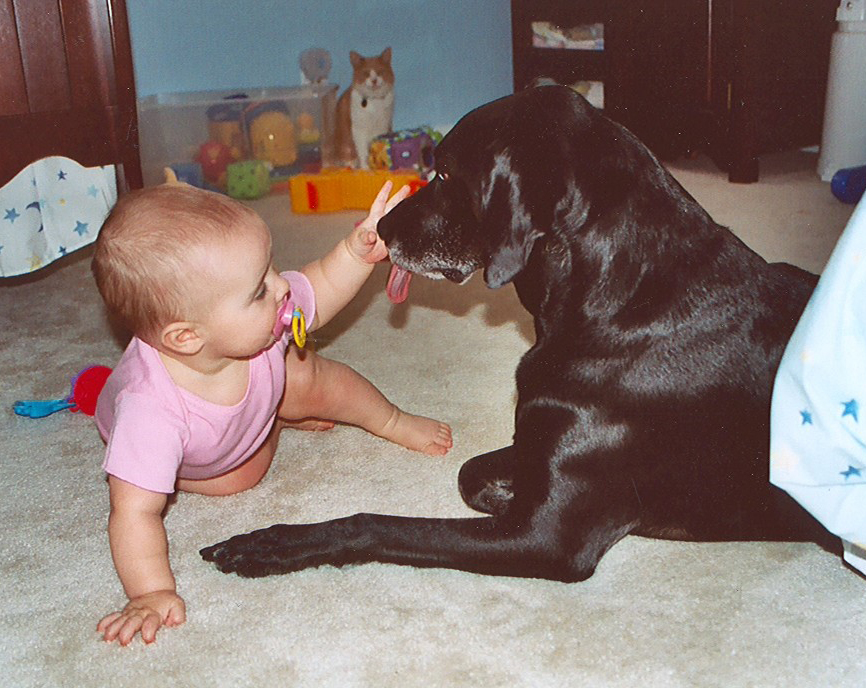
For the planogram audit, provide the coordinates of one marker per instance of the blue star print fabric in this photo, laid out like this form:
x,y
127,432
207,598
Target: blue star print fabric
x,y
50,209
818,420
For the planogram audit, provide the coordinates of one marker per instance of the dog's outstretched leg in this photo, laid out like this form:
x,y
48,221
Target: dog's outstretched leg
x,y
480,545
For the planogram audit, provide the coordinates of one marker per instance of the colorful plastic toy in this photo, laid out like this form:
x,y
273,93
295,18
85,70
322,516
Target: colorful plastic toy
x,y
307,131
271,133
86,387
224,126
248,180
407,149
186,173
214,157
344,189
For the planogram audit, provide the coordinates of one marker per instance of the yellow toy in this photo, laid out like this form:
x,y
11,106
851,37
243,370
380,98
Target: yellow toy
x,y
307,132
332,190
272,138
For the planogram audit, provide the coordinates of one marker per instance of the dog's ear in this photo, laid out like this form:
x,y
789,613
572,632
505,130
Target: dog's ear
x,y
509,258
536,186
508,225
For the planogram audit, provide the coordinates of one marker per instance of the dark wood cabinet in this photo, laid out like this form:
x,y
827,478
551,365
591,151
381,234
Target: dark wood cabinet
x,y
67,85
733,78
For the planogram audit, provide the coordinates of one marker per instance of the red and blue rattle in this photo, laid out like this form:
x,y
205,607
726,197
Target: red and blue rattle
x,y
86,387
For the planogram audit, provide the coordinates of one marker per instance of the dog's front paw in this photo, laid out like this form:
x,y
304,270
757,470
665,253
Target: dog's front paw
x,y
251,555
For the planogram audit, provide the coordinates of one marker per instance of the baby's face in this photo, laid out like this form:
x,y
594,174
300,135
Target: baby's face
x,y
243,292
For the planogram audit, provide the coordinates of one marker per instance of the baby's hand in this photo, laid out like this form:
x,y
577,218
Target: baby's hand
x,y
143,615
364,242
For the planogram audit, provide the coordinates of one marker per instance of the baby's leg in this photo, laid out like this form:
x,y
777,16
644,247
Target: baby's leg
x,y
320,388
245,476
308,424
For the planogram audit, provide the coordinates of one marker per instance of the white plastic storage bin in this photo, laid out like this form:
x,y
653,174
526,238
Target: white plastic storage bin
x,y
843,141
291,129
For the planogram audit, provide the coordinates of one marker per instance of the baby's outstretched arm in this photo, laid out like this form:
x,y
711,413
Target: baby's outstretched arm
x,y
338,277
139,548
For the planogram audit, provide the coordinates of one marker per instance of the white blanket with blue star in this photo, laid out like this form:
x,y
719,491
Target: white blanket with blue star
x,y
818,421
49,209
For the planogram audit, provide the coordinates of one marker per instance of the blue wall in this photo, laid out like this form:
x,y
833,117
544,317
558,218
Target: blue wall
x,y
448,56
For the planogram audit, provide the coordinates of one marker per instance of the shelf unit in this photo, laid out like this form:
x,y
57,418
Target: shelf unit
x,y
733,78
563,65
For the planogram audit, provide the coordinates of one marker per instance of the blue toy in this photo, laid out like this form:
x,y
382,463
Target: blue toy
x,y
86,387
189,173
849,184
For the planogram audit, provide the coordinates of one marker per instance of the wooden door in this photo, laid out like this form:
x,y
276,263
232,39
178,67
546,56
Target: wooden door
x,y
67,85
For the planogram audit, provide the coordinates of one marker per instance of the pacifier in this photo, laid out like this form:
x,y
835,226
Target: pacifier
x,y
291,316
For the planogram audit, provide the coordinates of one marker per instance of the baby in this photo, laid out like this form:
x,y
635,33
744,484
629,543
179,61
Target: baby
x,y
201,393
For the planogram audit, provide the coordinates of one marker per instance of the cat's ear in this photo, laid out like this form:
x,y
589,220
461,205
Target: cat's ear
x,y
386,55
355,58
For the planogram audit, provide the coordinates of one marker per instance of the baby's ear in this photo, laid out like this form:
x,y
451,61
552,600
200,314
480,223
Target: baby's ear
x,y
181,338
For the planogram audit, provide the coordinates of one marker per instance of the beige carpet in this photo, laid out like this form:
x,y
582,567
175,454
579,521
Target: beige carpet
x,y
655,613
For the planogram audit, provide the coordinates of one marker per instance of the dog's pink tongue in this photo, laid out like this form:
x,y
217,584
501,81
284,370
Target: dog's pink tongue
x,y
398,284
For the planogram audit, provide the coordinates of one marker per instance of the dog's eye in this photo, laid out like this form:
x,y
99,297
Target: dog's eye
x,y
442,176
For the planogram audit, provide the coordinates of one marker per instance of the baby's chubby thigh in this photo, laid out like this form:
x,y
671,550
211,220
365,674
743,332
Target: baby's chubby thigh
x,y
245,476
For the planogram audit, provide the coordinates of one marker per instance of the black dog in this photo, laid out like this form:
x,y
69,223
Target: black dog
x,y
643,406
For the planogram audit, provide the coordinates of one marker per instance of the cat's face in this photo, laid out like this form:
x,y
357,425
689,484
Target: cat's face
x,y
372,76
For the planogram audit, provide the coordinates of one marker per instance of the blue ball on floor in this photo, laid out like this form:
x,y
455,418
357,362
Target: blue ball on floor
x,y
849,183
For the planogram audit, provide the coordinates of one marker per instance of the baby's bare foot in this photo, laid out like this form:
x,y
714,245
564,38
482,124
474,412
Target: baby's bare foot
x,y
418,433
309,424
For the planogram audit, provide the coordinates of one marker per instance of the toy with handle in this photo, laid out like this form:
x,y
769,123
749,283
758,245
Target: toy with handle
x,y
86,386
290,315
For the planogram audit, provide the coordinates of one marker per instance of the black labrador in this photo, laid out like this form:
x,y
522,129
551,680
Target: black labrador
x,y
643,406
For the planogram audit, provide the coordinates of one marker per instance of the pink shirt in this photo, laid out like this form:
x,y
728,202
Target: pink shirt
x,y
156,432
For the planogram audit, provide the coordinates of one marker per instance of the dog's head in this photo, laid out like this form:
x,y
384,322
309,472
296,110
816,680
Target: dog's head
x,y
508,174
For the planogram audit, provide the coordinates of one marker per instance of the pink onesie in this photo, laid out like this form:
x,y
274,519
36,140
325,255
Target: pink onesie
x,y
156,432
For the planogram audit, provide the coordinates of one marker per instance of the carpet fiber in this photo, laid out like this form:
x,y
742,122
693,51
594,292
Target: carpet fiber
x,y
654,614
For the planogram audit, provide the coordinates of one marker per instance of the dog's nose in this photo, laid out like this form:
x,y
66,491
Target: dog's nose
x,y
386,226
402,218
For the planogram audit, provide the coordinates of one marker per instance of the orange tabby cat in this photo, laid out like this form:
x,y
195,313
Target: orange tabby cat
x,y
366,108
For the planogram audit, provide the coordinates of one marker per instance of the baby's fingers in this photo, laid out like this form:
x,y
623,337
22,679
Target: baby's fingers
x,y
176,616
370,239
131,626
150,627
106,621
397,198
120,627
379,204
